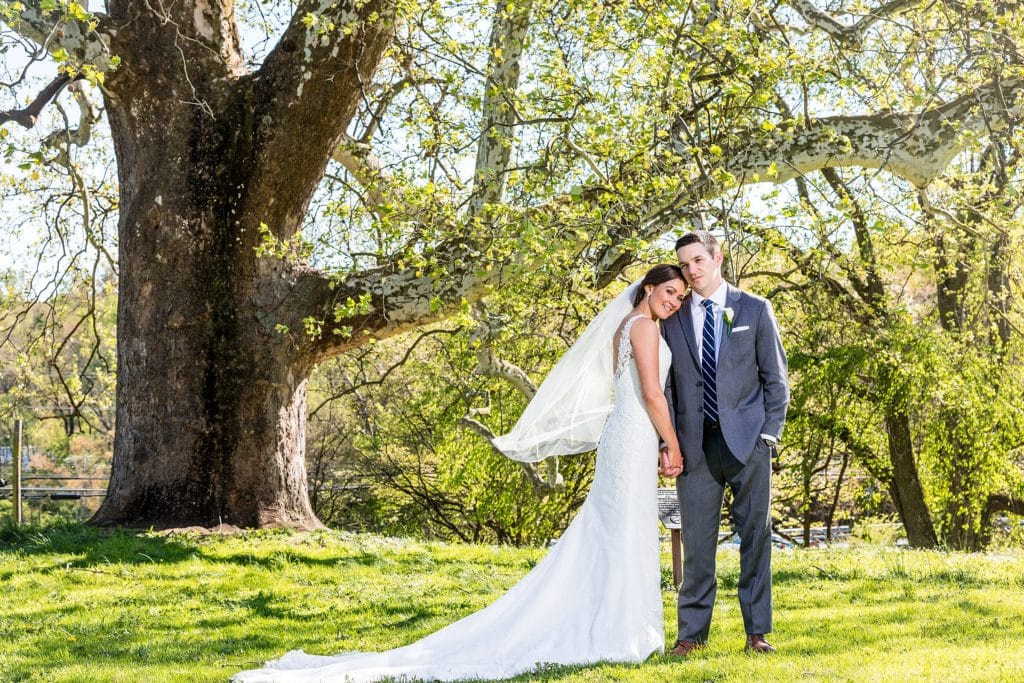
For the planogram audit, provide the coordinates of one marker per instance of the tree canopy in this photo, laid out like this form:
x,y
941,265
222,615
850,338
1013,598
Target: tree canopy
x,y
297,181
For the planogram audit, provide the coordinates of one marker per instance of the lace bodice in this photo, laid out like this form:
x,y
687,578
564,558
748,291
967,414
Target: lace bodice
x,y
624,353
629,425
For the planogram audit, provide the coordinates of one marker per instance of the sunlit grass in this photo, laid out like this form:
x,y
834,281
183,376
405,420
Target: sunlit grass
x,y
82,605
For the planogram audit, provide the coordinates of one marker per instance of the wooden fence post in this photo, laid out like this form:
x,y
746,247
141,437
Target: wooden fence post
x,y
16,483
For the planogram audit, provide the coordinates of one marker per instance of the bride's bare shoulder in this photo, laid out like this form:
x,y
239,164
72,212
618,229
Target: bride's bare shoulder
x,y
644,330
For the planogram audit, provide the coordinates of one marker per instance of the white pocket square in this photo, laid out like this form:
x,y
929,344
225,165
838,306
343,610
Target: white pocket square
x,y
744,328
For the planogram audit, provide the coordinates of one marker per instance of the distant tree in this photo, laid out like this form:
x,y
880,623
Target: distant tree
x,y
57,360
906,338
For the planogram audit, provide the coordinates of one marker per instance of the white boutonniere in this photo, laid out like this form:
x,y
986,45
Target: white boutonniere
x,y
727,318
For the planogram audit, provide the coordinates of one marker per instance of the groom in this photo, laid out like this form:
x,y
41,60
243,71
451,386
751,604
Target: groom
x,y
727,392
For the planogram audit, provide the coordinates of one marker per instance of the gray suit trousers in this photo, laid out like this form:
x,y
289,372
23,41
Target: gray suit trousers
x,y
702,490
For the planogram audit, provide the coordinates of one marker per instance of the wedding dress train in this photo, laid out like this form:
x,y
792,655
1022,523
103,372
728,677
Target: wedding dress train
x,y
594,597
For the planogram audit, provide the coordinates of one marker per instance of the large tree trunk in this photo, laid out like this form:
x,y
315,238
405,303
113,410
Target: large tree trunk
x,y
210,418
211,405
211,400
211,392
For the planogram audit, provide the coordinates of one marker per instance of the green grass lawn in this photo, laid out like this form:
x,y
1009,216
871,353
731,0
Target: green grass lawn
x,y
82,605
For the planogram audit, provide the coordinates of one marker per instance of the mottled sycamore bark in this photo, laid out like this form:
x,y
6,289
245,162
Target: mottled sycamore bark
x,y
211,397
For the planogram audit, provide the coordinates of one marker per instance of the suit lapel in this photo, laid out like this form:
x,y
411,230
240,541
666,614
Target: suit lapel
x,y
732,300
685,319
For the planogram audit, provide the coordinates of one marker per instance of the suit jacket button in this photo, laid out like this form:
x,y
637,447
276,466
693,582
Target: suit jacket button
x,y
700,384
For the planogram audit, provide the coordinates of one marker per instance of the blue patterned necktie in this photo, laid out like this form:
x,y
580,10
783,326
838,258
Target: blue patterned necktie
x,y
708,365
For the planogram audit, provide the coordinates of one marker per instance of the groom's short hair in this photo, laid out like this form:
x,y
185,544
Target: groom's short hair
x,y
704,237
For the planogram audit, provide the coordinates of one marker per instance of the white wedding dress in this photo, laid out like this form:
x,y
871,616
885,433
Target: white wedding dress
x,y
596,596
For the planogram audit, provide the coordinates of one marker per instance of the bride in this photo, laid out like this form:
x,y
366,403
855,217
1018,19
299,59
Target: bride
x,y
596,596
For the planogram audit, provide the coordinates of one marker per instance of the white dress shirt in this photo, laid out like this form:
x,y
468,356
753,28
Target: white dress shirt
x,y
698,312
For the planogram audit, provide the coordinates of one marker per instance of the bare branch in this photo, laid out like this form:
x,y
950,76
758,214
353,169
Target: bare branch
x,y
871,288
361,384
28,116
598,173
542,484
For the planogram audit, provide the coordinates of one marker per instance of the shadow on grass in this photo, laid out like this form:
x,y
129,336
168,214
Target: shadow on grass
x,y
386,559
556,672
53,638
97,546
781,577
102,546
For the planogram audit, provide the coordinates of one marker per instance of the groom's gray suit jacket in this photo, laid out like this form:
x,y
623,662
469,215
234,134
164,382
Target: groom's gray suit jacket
x,y
753,391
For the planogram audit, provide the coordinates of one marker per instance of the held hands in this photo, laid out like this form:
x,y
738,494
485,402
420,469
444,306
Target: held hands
x,y
670,461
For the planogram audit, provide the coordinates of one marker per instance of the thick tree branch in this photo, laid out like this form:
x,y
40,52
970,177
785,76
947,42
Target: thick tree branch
x,y
487,362
28,116
490,365
53,31
508,36
1000,502
916,146
191,47
88,116
847,33
306,94
375,303
401,299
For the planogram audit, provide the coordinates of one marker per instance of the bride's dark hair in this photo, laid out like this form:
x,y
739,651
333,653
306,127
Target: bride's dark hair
x,y
663,272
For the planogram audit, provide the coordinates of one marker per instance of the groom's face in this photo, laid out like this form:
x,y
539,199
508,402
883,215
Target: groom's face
x,y
701,268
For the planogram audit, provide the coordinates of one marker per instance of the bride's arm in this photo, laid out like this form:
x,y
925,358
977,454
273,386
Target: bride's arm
x,y
645,338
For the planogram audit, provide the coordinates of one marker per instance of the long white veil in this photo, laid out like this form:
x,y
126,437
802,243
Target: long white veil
x,y
568,412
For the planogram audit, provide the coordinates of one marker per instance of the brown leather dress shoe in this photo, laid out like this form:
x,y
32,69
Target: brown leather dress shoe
x,y
757,643
683,648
